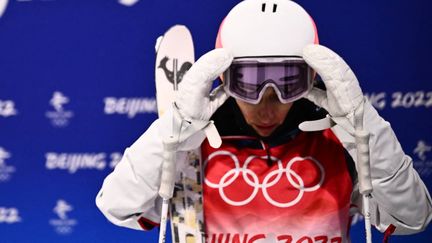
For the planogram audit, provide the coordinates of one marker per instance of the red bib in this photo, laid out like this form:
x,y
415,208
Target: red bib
x,y
301,195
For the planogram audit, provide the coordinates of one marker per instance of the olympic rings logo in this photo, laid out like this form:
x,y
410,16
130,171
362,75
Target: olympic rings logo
x,y
295,179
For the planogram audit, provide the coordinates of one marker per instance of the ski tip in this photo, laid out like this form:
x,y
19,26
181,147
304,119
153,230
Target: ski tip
x,y
158,43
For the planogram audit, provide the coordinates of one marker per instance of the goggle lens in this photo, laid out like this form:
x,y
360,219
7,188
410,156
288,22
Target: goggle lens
x,y
247,78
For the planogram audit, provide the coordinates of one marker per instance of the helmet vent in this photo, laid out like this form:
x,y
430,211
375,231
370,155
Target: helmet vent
x,y
263,7
274,8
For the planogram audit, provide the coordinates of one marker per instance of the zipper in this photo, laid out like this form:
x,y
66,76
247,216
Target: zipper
x,y
267,149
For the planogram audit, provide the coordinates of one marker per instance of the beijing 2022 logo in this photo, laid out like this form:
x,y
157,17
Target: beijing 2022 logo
x,y
6,170
63,224
423,165
59,116
270,180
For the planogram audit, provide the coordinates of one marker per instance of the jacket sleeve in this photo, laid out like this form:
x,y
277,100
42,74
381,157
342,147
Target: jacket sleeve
x,y
399,196
129,195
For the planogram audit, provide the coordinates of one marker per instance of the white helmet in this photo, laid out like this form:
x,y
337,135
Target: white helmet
x,y
267,28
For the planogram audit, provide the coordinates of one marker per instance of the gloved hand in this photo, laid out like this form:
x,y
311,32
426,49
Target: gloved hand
x,y
187,125
193,98
343,95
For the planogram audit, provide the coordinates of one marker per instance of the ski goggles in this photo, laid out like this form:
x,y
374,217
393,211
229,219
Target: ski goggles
x,y
248,77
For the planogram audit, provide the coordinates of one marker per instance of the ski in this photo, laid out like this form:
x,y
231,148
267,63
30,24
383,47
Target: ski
x,y
174,56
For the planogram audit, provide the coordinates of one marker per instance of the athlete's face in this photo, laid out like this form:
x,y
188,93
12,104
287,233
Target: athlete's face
x,y
267,115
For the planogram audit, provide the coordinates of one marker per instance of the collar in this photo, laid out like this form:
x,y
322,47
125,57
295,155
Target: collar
x,y
230,122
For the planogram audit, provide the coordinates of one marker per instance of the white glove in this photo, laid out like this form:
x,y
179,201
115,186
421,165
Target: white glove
x,y
398,192
194,100
343,95
188,122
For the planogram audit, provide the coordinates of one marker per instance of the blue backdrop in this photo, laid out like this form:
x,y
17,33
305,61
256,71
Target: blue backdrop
x,y
77,87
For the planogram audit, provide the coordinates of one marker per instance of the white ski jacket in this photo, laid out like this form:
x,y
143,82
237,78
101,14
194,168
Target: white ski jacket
x,y
399,198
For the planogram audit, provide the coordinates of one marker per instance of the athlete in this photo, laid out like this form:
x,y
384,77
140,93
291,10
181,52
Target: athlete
x,y
286,168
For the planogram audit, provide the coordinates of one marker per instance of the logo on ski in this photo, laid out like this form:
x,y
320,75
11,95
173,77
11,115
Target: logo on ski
x,y
176,75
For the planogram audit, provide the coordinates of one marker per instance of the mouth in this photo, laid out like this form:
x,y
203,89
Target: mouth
x,y
265,129
265,126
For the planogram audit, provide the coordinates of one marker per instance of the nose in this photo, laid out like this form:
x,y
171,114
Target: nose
x,y
267,106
